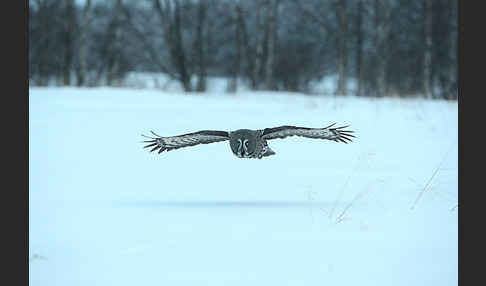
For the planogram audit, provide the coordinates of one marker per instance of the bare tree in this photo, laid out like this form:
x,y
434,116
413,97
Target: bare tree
x,y
428,49
69,32
238,27
171,19
200,45
147,44
44,41
272,35
111,49
114,44
359,46
342,37
382,28
245,42
84,29
452,51
260,33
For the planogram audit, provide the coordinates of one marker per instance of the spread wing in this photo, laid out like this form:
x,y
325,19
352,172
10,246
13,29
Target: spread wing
x,y
185,140
337,134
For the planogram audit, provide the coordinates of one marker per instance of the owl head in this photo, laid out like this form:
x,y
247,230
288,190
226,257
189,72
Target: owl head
x,y
243,142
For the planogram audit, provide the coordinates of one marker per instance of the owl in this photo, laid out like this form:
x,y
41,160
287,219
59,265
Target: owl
x,y
246,143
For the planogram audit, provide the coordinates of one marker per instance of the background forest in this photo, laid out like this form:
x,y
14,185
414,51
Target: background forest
x,y
367,47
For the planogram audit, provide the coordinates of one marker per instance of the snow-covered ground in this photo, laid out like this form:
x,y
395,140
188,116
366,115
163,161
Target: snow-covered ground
x,y
104,211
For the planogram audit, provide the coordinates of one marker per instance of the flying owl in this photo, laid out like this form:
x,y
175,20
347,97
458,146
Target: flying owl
x,y
246,143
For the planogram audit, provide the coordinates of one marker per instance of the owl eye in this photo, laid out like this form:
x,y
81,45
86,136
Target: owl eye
x,y
246,143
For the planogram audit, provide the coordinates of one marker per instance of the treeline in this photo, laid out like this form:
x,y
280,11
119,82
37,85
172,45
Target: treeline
x,y
384,47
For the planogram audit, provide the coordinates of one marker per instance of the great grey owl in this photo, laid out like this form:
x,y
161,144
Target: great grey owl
x,y
246,143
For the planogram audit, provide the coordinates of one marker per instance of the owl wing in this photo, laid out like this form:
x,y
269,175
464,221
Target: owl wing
x,y
336,134
185,140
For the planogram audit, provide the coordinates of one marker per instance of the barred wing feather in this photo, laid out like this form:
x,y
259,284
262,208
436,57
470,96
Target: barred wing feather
x,y
338,134
175,142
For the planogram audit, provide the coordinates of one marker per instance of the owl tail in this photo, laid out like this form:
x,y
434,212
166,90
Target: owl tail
x,y
269,152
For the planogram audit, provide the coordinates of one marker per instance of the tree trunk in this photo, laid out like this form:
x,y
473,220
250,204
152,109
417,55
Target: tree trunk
x,y
171,20
260,32
83,42
381,35
452,79
359,47
427,63
343,48
44,44
233,85
245,43
201,83
115,46
69,32
178,48
272,34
